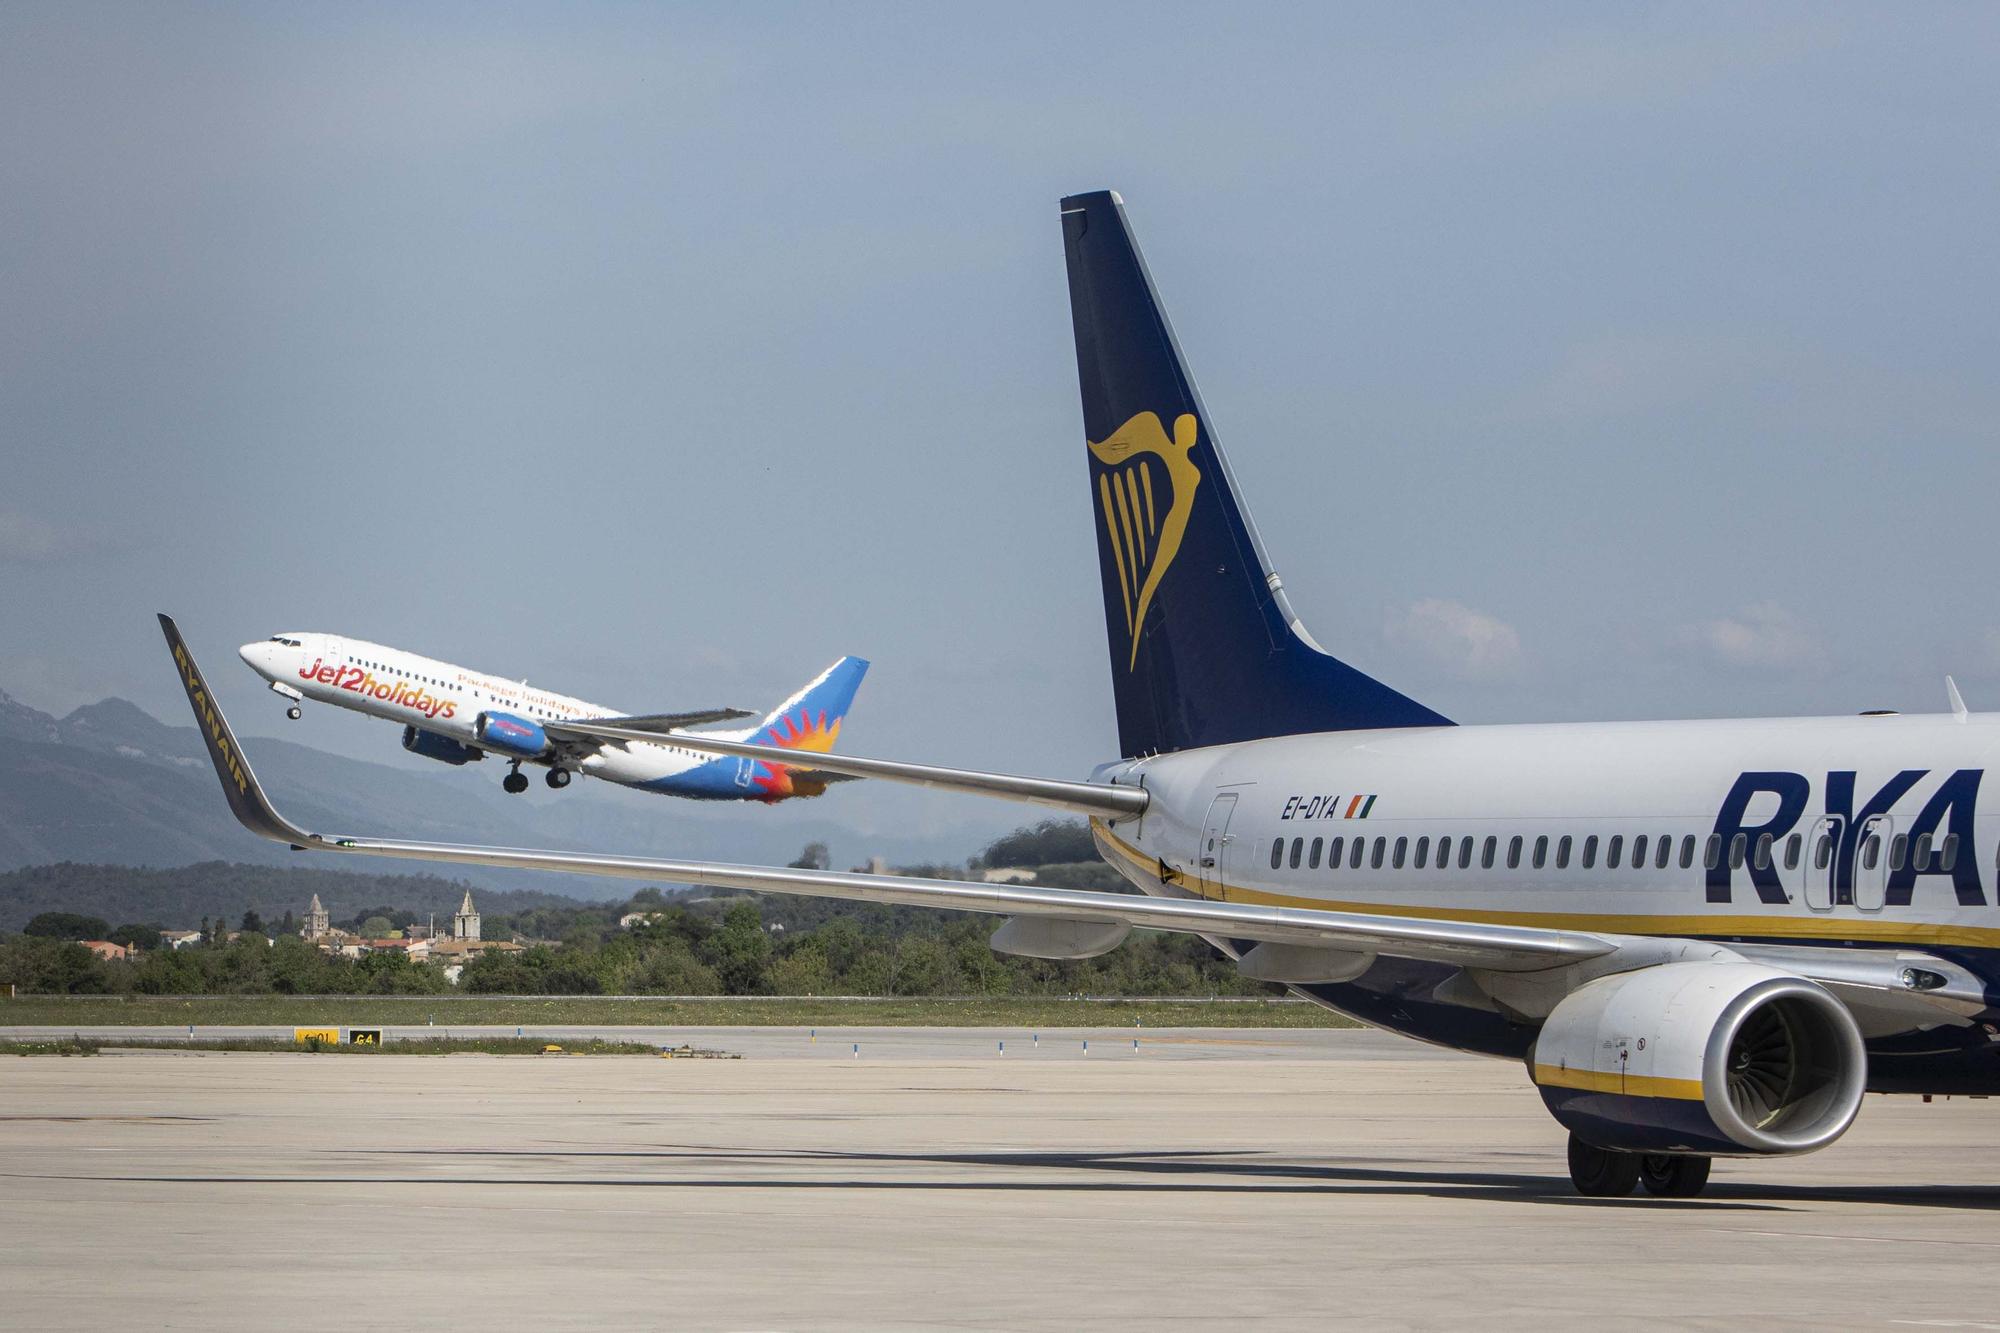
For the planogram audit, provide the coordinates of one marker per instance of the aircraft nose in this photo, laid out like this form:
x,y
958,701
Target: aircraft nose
x,y
258,655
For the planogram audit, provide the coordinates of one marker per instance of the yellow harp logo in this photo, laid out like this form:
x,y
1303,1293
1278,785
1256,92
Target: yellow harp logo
x,y
1146,489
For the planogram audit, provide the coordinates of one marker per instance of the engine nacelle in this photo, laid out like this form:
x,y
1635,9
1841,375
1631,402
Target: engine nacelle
x,y
441,748
511,735
1710,1058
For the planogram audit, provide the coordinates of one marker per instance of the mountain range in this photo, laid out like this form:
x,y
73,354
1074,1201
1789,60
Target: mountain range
x,y
110,783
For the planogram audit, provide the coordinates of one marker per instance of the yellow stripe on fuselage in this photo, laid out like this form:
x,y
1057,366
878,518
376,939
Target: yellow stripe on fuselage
x,y
1625,1085
1919,934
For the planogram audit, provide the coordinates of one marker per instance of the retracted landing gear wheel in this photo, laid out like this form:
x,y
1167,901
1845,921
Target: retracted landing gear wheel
x,y
1601,1174
295,712
1672,1176
557,778
514,783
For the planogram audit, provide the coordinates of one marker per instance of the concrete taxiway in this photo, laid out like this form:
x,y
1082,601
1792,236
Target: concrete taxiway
x,y
1285,1179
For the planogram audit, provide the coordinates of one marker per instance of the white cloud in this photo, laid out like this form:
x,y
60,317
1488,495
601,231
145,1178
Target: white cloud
x,y
1466,643
1761,637
27,540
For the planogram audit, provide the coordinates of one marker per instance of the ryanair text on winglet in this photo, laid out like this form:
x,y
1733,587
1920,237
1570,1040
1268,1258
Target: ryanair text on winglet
x,y
218,735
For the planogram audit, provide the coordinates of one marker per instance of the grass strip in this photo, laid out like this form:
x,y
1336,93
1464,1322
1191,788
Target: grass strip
x,y
602,1011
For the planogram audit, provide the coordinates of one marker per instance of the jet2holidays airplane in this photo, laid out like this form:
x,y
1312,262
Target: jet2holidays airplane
x,y
456,716
1697,939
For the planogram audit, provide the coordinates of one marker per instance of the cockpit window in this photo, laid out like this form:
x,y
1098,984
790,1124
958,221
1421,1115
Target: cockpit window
x,y
289,643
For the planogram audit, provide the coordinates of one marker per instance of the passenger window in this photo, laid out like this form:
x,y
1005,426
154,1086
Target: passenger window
x,y
1822,851
1444,852
1514,852
1402,847
1541,851
1277,853
1486,852
1375,861
1333,855
1899,847
1920,853
1613,851
1465,852
1761,858
1871,851
1792,845
1354,860
1639,852
1712,857
1950,859
1590,851
1562,852
1665,852
1423,852
1737,846
1312,853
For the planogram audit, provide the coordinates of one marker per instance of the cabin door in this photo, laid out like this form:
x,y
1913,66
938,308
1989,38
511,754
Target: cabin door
x,y
1212,856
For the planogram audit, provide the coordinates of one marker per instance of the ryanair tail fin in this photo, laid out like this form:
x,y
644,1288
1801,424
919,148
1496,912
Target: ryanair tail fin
x,y
1205,647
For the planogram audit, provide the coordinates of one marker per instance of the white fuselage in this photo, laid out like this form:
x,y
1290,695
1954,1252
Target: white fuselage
x,y
444,699
1852,829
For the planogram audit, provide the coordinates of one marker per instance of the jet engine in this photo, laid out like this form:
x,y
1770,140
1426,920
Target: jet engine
x,y
442,748
1704,1058
511,735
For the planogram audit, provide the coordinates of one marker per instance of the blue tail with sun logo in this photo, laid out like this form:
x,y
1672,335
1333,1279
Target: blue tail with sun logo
x,y
808,722
1205,647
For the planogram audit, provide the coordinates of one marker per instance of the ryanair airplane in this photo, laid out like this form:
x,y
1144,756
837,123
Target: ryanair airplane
x,y
1699,939
457,716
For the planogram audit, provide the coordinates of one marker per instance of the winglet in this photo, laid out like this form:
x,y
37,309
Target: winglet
x,y
1956,699
246,796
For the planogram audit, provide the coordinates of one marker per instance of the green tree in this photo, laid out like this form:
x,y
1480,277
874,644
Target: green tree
x,y
376,928
816,856
67,926
252,921
738,950
145,938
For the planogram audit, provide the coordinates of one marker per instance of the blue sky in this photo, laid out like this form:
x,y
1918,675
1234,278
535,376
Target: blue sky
x,y
1575,361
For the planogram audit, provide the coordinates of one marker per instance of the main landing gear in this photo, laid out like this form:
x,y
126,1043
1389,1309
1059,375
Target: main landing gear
x,y
558,778
516,781
1599,1173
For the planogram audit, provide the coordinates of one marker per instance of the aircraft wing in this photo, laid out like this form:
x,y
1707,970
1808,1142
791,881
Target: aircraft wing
x,y
1502,948
1903,988
1101,799
662,723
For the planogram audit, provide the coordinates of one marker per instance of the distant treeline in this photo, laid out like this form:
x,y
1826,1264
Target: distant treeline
x,y
690,944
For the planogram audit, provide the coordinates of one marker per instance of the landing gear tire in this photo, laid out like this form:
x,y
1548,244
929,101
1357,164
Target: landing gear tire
x,y
1599,1173
514,783
295,712
557,778
1672,1176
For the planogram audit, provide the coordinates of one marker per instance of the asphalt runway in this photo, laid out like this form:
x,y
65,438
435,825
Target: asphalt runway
x,y
1211,1178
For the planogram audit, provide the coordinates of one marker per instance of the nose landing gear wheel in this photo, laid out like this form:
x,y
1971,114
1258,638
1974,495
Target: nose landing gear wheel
x,y
1600,1174
515,782
294,712
557,778
1672,1176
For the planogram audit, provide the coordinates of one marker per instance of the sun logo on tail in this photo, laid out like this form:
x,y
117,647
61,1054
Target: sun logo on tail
x,y
1145,505
807,732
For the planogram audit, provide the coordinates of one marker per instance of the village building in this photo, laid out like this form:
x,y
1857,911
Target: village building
x,y
319,924
109,952
465,925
